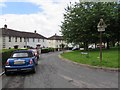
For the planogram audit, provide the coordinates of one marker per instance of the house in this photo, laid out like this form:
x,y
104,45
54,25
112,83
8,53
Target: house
x,y
55,41
11,38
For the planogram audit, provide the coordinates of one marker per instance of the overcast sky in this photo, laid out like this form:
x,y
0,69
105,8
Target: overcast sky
x,y
44,16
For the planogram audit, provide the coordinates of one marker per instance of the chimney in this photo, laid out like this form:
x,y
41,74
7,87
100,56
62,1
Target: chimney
x,y
55,34
5,26
35,31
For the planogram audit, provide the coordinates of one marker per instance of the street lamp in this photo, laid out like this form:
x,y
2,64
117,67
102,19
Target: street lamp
x,y
101,27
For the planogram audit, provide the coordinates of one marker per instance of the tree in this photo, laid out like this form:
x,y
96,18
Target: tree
x,y
62,46
80,22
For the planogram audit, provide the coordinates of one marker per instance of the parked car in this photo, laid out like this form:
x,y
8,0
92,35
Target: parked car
x,y
91,46
22,60
36,53
75,48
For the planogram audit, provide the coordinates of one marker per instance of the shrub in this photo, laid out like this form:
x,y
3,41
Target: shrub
x,y
51,49
45,50
6,54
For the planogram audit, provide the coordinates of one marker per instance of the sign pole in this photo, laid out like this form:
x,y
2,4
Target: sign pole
x,y
101,27
100,47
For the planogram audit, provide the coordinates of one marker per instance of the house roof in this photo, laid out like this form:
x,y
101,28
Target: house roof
x,y
56,37
14,33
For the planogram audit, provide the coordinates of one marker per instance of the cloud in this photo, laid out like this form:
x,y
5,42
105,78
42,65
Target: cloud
x,y
2,5
46,22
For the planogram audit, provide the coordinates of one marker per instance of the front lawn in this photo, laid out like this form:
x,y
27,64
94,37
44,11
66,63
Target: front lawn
x,y
109,57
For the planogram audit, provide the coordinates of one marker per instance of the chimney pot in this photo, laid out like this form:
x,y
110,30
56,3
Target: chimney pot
x,y
35,31
5,26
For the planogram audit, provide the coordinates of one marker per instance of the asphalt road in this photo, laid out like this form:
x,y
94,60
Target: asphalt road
x,y
55,73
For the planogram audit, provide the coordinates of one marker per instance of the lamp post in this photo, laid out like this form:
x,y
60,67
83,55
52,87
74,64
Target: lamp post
x,y
101,27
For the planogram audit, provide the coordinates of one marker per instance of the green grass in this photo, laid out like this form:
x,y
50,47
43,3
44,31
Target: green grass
x,y
109,57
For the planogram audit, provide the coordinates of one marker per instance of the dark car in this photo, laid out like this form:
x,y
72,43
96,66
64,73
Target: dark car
x,y
22,60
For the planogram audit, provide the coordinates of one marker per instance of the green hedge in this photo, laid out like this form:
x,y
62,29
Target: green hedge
x,y
5,55
46,50
51,49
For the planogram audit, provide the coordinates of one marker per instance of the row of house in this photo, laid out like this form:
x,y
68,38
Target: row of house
x,y
10,38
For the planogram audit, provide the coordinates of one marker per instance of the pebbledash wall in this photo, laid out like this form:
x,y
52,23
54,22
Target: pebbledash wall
x,y
12,43
36,41
10,38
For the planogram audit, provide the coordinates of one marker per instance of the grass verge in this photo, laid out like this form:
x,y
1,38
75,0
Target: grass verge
x,y
109,57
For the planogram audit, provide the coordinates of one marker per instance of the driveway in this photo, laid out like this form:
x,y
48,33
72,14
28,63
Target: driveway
x,y
52,72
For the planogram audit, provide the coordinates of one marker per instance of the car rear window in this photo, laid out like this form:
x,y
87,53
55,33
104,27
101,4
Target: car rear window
x,y
22,54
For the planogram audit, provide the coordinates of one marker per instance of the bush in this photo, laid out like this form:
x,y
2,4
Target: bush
x,y
51,49
6,54
46,50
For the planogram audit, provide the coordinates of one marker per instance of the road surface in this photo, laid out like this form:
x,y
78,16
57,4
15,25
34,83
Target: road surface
x,y
52,72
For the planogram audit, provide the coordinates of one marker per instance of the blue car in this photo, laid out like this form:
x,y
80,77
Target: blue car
x,y
21,60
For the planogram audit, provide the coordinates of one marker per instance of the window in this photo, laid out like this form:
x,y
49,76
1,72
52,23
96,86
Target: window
x,y
24,39
15,39
38,40
3,38
20,39
33,39
28,39
3,45
43,40
22,54
9,39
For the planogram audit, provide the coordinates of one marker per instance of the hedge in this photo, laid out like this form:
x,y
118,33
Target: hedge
x,y
46,50
5,55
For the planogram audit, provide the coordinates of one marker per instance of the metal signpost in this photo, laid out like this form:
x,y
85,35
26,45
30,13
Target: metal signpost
x,y
101,27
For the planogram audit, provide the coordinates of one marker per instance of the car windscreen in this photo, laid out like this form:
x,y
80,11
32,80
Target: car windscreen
x,y
21,55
